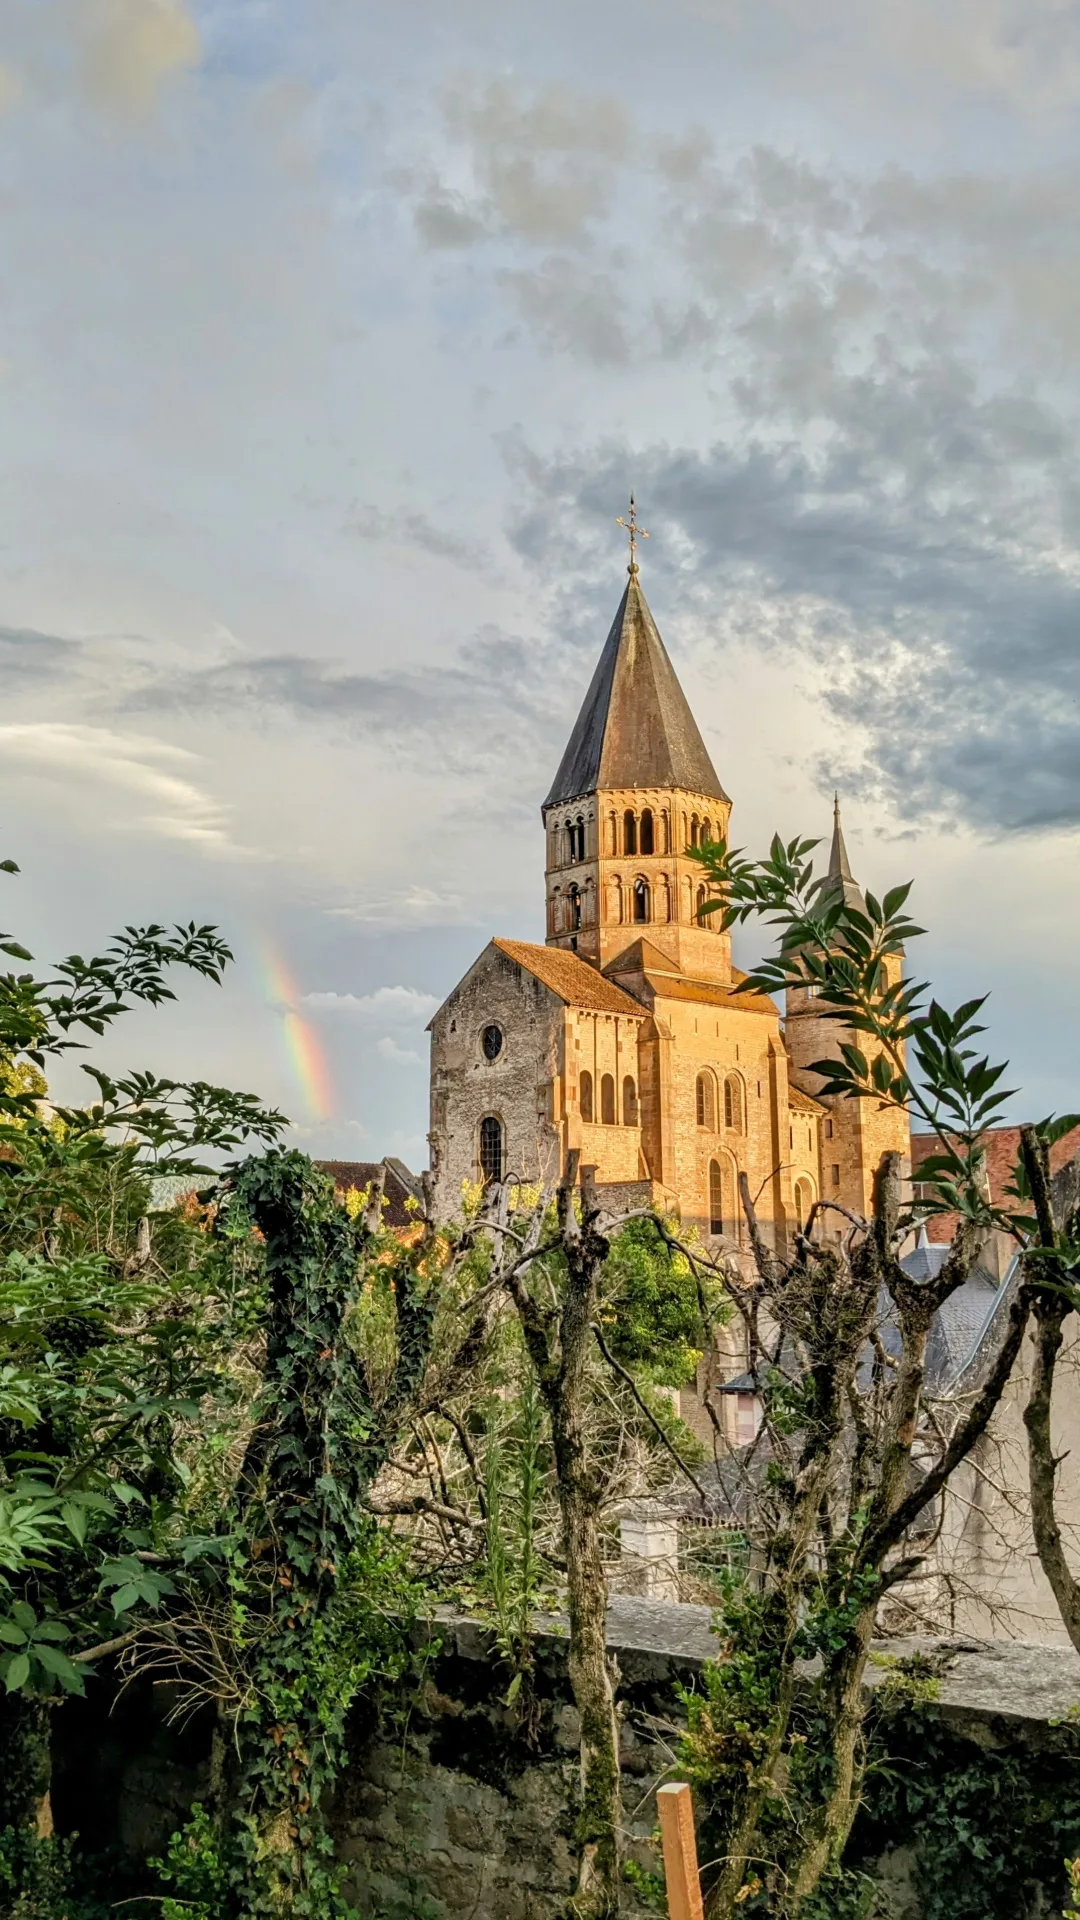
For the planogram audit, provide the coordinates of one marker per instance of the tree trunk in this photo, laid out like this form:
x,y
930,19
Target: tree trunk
x,y
1049,1314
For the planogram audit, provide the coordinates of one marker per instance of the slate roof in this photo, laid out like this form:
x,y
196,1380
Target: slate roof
x,y
840,877
635,728
570,977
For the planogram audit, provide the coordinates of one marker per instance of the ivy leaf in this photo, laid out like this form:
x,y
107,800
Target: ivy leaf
x,y
17,1673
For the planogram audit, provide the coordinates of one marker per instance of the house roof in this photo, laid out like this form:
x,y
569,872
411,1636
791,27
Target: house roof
x,y
570,977
802,1102
635,728
401,1185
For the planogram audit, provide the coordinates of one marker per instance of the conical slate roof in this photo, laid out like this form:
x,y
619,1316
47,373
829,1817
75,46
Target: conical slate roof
x,y
840,877
635,728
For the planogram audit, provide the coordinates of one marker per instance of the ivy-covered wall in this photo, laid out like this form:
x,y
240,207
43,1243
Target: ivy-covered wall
x,y
458,1809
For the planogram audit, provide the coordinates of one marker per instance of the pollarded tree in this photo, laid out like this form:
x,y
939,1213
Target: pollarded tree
x,y
847,1462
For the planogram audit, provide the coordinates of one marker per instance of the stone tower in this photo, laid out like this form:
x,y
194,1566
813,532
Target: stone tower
x,y
854,1133
635,788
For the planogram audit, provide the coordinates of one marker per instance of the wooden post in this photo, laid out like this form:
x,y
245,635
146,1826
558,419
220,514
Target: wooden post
x,y
675,1806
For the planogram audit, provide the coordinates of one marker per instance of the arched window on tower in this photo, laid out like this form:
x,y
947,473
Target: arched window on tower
x,y
706,1102
629,831
716,1198
702,918
613,834
491,1148
695,831
647,831
577,839
585,1095
574,898
733,1103
706,831
629,1102
641,900
607,1101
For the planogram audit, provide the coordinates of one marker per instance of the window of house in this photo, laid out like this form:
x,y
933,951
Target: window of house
x,y
629,831
491,1148
746,1419
607,1100
828,1129
706,1102
629,1102
733,1103
836,1176
716,1198
585,1095
646,838
574,897
641,900
804,1200
492,1042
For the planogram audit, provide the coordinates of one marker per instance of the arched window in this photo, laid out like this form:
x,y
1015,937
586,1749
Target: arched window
x,y
585,1095
804,1200
491,1148
607,1100
706,831
733,1103
629,831
695,831
647,831
663,899
574,897
706,1102
641,900
716,1198
613,834
629,1102
702,918
615,901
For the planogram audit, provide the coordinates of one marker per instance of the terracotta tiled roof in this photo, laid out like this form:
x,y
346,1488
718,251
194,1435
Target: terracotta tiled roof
x,y
641,956
709,993
1002,1146
802,1102
361,1173
570,977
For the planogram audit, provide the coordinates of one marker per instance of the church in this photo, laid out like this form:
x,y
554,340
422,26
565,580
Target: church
x,y
623,1035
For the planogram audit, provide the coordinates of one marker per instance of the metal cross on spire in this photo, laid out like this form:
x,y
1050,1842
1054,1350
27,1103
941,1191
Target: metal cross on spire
x,y
636,533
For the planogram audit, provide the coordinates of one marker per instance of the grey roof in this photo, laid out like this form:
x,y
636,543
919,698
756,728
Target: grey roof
x,y
635,728
840,877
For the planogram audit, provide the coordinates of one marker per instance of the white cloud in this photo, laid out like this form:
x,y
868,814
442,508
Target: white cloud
x,y
402,1055
387,1006
129,47
122,781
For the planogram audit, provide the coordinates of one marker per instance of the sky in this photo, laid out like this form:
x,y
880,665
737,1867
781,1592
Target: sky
x,y
333,339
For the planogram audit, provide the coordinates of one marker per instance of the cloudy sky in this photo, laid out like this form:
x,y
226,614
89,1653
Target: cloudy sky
x,y
332,339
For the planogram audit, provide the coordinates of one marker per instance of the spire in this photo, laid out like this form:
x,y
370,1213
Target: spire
x,y
840,877
635,728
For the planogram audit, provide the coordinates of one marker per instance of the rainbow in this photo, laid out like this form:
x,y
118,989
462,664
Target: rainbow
x,y
302,1043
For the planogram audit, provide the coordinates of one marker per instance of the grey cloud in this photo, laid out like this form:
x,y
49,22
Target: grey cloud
x,y
916,557
28,656
572,310
416,529
542,164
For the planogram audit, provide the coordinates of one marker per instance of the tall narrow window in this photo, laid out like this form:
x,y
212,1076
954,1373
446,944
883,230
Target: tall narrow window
x,y
629,831
647,831
702,918
629,1102
577,839
804,1200
706,831
641,900
491,1148
607,1100
716,1198
585,1095
695,831
733,1103
706,1102
574,897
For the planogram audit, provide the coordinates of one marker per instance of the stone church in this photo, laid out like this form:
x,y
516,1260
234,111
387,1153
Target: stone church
x,y
623,1036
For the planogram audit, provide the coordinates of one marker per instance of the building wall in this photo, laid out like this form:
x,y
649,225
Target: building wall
x,y
604,878
521,1087
854,1134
